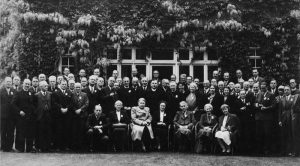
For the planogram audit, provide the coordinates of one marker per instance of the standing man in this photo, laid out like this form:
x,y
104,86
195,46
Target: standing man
x,y
239,76
153,97
35,86
92,93
256,78
43,117
264,116
24,106
293,86
80,104
52,84
273,87
7,115
17,83
110,96
63,105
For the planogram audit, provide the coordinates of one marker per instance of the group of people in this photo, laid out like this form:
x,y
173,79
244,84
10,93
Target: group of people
x,y
225,114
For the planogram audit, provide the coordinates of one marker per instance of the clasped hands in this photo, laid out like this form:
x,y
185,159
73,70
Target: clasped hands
x,y
145,123
99,128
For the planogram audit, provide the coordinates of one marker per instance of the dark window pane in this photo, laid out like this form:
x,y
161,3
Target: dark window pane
x,y
164,71
126,71
112,53
141,70
65,61
126,53
198,55
212,54
184,70
198,73
252,62
258,63
210,71
110,69
71,61
141,53
184,54
72,69
162,54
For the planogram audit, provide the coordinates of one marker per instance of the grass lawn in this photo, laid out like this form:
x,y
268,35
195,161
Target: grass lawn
x,y
139,159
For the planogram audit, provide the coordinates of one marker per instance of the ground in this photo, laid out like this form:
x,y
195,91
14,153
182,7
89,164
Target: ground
x,y
139,159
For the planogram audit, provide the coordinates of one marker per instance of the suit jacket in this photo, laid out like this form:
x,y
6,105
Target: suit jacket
x,y
52,89
152,100
216,102
231,100
108,100
80,101
248,113
94,98
267,100
103,121
7,111
62,100
204,122
173,104
296,91
285,109
142,92
128,96
43,105
123,118
258,79
34,90
24,101
156,118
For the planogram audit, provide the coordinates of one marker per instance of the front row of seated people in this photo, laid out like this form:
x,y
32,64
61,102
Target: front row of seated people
x,y
148,131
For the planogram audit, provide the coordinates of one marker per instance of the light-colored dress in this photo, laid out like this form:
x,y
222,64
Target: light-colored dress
x,y
191,101
138,116
224,135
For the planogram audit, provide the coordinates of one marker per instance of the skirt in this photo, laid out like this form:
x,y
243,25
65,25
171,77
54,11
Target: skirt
x,y
224,135
137,132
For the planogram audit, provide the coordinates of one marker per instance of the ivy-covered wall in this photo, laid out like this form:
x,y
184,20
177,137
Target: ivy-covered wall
x,y
45,30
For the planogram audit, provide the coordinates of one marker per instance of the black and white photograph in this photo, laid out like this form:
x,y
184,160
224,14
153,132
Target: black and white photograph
x,y
150,82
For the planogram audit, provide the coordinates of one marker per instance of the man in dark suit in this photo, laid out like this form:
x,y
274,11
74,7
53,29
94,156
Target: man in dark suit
x,y
264,106
173,101
245,113
144,88
285,118
161,121
34,85
98,126
293,85
256,78
153,97
215,100
110,96
24,105
119,126
125,95
43,117
164,89
273,87
93,94
52,84
7,114
79,110
17,83
63,105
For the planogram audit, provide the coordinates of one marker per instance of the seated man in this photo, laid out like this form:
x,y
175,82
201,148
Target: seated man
x,y
119,121
183,122
160,125
97,124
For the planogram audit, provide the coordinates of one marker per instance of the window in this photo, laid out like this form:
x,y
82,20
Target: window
x,y
210,71
110,70
184,70
69,62
126,53
198,55
212,54
162,54
126,71
184,54
164,71
141,53
141,70
255,60
111,53
198,73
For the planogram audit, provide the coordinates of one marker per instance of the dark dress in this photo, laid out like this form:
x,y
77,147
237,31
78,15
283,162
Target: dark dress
x,y
204,135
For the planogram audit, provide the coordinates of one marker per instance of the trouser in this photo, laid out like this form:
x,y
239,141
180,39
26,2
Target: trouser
x,y
25,131
98,141
161,134
44,134
286,138
247,135
64,134
263,135
7,134
78,133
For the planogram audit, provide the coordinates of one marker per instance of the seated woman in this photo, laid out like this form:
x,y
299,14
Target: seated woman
x,y
205,130
141,124
119,126
226,132
98,124
195,100
160,125
183,122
